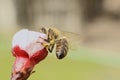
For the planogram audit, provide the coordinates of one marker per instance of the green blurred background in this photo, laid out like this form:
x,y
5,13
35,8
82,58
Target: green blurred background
x,y
97,57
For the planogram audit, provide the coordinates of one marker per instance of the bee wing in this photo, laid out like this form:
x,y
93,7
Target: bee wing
x,y
75,40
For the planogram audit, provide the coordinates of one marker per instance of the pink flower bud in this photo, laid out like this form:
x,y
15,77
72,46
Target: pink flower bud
x,y
28,53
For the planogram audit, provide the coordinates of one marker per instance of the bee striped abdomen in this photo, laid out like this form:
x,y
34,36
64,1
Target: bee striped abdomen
x,y
55,38
61,48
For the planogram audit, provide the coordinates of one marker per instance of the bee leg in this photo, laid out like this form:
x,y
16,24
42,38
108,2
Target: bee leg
x,y
43,30
49,44
50,48
45,43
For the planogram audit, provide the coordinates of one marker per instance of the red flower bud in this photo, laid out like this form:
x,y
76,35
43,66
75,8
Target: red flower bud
x,y
28,53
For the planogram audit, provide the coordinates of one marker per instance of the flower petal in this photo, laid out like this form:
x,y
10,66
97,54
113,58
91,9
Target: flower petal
x,y
27,40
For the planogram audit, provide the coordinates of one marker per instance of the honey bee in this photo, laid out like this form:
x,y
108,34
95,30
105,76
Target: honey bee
x,y
55,39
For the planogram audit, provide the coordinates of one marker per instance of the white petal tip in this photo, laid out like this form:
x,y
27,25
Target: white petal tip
x,y
27,40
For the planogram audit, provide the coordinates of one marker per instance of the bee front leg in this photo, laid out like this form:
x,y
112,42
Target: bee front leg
x,y
45,43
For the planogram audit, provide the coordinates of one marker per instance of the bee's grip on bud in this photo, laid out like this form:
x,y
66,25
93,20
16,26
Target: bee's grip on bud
x,y
54,39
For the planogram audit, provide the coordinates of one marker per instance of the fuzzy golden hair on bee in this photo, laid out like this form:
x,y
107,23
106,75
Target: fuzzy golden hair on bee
x,y
51,32
55,38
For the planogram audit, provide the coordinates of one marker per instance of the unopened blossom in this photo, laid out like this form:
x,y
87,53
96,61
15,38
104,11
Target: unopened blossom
x,y
27,52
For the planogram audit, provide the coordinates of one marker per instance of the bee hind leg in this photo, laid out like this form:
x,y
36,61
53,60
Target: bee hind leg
x,y
50,48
